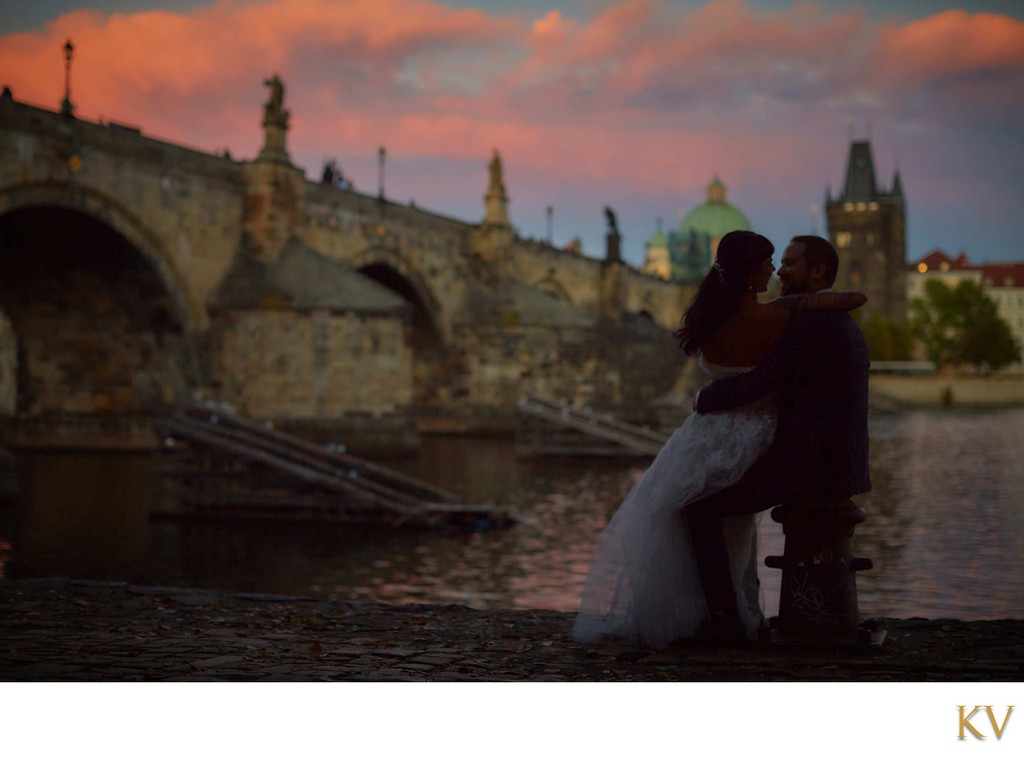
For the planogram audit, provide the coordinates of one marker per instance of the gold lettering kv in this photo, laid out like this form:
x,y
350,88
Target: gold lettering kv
x,y
965,721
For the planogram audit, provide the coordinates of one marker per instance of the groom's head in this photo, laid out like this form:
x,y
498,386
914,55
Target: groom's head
x,y
809,264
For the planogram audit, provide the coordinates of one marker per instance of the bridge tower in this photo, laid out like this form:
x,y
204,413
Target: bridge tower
x,y
867,225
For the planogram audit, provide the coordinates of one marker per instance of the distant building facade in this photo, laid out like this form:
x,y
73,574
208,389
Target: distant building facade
x,y
868,227
1002,282
686,254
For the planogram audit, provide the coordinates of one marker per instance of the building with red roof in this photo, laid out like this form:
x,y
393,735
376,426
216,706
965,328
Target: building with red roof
x,y
1003,282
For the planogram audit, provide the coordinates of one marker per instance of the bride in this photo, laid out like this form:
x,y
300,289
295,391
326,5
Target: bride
x,y
643,587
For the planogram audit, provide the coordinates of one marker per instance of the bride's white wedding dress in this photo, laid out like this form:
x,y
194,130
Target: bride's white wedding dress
x,y
643,586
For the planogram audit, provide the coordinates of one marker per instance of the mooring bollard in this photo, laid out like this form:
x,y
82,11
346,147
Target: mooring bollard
x,y
818,598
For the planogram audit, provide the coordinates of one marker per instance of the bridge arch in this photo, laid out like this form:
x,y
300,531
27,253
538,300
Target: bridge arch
x,y
109,211
8,367
390,269
100,323
427,328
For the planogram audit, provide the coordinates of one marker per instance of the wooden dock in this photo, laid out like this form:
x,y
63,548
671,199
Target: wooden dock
x,y
549,427
220,465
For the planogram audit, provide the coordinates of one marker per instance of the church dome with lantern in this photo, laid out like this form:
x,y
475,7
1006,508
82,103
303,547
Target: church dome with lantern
x,y
716,216
687,253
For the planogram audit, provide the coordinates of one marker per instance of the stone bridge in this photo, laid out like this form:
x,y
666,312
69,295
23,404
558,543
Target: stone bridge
x,y
135,274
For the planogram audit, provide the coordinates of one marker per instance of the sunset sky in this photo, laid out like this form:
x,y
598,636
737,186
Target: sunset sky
x,y
634,104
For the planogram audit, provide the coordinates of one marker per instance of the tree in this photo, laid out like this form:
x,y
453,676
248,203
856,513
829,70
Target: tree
x,y
988,342
887,339
961,325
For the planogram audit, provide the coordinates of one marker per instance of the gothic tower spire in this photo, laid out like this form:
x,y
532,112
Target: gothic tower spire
x,y
868,228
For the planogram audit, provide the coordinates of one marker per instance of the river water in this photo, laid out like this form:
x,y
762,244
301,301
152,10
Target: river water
x,y
945,527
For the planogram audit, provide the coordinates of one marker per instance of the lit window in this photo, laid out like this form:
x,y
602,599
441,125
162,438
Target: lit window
x,y
873,205
848,206
861,206
843,238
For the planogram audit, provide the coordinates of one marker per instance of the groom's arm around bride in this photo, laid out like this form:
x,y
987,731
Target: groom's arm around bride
x,y
820,449
820,370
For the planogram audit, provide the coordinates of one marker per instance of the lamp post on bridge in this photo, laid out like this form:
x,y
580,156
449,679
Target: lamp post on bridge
x,y
381,153
67,108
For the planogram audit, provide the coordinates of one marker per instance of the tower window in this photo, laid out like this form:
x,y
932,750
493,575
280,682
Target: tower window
x,y
843,238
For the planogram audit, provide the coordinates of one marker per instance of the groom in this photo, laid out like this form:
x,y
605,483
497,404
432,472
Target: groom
x,y
820,450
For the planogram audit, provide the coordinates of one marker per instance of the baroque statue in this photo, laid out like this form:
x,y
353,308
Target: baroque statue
x,y
274,111
497,181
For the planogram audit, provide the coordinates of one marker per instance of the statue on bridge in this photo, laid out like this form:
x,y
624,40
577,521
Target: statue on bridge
x,y
496,200
497,174
613,240
274,111
613,226
275,122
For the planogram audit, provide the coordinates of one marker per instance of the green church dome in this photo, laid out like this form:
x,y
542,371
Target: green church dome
x,y
659,239
716,216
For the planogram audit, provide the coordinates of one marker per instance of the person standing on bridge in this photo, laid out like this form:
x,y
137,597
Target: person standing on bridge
x,y
644,586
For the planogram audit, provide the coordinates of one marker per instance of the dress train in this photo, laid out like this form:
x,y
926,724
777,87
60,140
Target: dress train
x,y
643,586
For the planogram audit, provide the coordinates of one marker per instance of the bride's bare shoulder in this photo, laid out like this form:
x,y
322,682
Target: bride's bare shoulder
x,y
776,312
748,337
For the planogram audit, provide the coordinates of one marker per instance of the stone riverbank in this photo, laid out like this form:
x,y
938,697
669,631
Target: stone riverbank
x,y
67,630
896,392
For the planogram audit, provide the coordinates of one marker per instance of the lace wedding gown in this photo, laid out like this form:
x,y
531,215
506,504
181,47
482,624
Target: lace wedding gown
x,y
643,586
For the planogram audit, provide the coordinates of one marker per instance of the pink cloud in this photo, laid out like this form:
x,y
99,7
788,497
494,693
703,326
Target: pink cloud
x,y
646,96
952,42
551,29
127,60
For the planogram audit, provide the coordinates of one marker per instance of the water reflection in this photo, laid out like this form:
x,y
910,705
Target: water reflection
x,y
944,527
946,530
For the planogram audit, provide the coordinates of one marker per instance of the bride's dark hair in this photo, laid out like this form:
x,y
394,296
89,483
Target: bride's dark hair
x,y
740,254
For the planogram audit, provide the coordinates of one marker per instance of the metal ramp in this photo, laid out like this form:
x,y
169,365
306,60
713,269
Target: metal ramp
x,y
220,465
558,428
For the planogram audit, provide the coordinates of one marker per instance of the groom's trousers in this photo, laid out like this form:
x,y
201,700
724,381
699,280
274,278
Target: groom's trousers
x,y
754,492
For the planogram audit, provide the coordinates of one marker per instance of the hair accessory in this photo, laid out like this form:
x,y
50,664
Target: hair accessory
x,y
716,265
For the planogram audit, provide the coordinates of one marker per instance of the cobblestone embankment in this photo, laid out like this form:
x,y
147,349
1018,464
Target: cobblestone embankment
x,y
63,630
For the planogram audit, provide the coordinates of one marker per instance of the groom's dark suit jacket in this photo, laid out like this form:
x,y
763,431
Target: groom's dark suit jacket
x,y
820,369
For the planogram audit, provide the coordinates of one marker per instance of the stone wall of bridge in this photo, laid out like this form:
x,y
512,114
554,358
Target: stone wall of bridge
x,y
181,209
8,367
489,316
